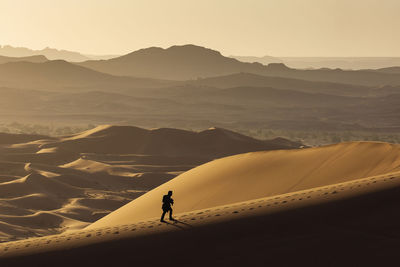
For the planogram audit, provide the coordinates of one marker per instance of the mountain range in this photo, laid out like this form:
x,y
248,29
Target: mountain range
x,y
350,63
232,94
33,59
354,63
59,73
50,53
189,62
174,63
193,62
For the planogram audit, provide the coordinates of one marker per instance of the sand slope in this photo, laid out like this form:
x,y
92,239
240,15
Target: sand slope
x,y
50,185
327,206
261,174
346,224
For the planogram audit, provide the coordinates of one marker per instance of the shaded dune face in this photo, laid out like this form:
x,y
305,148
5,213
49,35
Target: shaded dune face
x,y
261,174
214,142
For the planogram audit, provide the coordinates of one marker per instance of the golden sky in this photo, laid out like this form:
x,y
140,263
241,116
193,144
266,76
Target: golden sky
x,y
234,27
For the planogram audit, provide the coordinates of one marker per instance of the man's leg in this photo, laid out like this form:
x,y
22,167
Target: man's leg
x,y
170,215
162,216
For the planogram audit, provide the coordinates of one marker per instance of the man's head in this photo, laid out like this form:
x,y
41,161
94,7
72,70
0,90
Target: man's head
x,y
170,193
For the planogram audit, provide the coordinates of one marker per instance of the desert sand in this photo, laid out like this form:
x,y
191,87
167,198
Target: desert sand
x,y
262,174
344,211
51,185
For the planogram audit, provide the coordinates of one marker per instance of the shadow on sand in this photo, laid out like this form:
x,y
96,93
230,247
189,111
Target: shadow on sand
x,y
178,224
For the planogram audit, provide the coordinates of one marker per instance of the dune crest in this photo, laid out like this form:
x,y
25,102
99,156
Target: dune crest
x,y
214,142
261,174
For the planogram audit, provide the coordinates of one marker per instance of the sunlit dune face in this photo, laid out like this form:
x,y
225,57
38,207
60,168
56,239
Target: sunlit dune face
x,y
262,174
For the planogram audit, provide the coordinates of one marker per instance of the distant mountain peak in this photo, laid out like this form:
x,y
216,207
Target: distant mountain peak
x,y
178,62
193,48
58,61
33,59
48,52
277,66
183,50
153,49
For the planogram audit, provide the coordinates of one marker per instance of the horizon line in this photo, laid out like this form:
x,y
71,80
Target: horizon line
x,y
222,52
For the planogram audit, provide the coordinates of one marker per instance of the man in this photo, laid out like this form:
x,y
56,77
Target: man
x,y
166,206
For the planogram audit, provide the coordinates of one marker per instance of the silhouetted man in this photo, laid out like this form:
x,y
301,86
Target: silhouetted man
x,y
166,206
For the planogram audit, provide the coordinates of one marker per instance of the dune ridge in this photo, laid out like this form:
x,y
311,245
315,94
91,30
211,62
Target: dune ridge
x,y
261,174
118,237
216,142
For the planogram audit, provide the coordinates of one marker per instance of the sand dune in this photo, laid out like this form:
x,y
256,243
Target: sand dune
x,y
261,174
215,142
36,201
254,208
35,182
355,219
78,179
19,138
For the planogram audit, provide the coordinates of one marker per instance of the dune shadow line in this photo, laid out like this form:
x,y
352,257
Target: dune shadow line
x,y
177,221
174,224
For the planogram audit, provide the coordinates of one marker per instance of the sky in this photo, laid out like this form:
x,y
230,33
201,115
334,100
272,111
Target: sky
x,y
233,27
